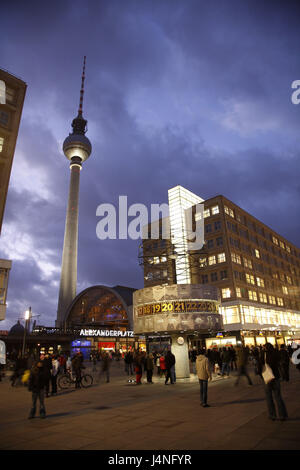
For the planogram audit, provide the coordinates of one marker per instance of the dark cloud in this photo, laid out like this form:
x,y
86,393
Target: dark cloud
x,y
177,92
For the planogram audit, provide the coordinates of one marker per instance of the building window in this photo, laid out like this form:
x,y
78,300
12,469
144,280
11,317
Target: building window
x,y
215,210
236,258
218,225
10,95
289,279
285,290
2,92
272,300
204,278
260,282
257,254
250,279
214,277
247,263
206,213
263,298
220,241
4,118
275,241
288,249
229,211
202,262
252,295
210,243
280,301
226,293
208,228
212,260
221,258
238,292
223,275
1,143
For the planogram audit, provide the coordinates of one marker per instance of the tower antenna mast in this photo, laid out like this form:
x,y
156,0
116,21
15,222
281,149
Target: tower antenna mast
x,y
82,88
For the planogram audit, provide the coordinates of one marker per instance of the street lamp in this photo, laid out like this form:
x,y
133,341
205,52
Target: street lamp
x,y
27,319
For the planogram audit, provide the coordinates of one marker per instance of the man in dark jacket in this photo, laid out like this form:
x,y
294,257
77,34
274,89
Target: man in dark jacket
x,y
272,388
36,385
170,365
242,362
47,366
77,366
284,363
226,357
106,362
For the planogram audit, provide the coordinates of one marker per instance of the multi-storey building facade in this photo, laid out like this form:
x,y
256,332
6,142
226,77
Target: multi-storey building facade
x,y
256,270
12,94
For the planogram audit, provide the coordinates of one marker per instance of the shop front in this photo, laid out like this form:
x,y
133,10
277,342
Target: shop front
x,y
113,341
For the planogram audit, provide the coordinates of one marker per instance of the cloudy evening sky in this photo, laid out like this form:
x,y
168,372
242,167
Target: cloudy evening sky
x,y
183,92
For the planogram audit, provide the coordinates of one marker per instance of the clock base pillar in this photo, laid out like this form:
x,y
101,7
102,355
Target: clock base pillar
x,y
181,352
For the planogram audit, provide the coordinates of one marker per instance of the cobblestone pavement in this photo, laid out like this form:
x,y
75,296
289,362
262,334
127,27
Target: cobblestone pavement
x,y
122,416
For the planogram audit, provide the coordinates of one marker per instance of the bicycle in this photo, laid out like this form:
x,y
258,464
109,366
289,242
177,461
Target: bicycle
x,y
67,380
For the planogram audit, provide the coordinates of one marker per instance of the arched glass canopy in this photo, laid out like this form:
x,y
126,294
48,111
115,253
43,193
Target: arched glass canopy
x,y
98,305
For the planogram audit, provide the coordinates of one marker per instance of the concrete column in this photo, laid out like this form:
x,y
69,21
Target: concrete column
x,y
181,353
68,279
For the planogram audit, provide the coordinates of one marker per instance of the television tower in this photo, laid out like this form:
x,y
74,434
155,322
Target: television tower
x,y
77,148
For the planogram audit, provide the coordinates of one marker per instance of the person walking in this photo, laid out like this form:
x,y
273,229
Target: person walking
x,y
284,363
233,365
106,362
157,363
128,359
54,374
272,388
20,367
204,375
138,369
170,365
36,385
162,366
242,361
149,367
47,365
94,361
225,357
193,357
76,368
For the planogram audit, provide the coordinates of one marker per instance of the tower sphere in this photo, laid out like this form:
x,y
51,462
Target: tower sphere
x,y
77,145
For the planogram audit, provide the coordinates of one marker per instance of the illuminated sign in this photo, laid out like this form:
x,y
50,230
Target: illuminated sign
x,y
111,333
184,306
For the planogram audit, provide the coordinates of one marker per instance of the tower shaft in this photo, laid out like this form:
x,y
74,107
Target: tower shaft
x,y
68,279
77,148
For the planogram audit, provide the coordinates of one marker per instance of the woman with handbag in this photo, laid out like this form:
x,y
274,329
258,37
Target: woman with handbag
x,y
271,377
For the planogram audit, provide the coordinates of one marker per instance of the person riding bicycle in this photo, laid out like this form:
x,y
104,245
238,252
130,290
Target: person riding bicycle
x,y
77,366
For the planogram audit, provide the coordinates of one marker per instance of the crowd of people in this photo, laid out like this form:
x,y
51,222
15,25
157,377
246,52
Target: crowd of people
x,y
270,363
44,370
